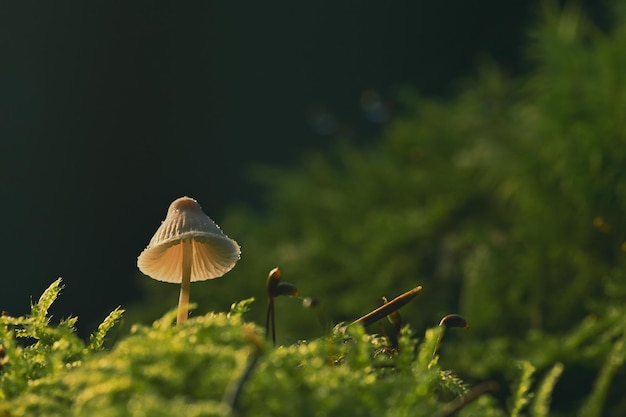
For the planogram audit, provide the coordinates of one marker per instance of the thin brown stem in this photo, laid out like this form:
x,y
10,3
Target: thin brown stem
x,y
274,324
457,404
270,309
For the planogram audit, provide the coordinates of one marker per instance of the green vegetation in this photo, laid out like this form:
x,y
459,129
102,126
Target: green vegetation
x,y
506,204
217,365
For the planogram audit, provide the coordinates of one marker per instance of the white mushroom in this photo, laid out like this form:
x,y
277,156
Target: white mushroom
x,y
188,246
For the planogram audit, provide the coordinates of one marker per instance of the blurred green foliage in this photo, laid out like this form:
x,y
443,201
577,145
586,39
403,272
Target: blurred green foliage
x,y
506,203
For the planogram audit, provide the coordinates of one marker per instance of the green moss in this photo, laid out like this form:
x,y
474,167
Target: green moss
x,y
215,365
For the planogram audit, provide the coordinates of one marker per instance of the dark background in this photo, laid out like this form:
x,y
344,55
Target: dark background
x,y
111,110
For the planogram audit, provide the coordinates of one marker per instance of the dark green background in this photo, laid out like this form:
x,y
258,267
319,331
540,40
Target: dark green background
x,y
111,110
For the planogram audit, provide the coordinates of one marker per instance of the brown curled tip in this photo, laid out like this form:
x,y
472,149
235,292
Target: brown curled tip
x,y
454,320
273,279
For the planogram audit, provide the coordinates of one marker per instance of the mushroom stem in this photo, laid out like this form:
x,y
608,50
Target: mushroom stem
x,y
185,286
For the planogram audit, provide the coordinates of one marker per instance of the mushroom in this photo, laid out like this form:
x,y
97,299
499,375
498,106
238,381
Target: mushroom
x,y
188,246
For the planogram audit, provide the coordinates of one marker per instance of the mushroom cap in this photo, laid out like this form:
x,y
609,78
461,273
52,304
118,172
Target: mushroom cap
x,y
214,253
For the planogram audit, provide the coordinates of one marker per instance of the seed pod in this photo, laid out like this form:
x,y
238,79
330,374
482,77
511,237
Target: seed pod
x,y
285,288
273,279
388,308
310,302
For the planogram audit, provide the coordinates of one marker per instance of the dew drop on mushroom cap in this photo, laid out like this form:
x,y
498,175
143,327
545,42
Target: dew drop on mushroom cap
x,y
213,253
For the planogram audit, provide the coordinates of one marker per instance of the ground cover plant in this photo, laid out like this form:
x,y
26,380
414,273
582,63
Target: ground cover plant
x,y
218,365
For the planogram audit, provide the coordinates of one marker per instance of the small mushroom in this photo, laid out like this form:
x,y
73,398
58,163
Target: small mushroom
x,y
188,246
